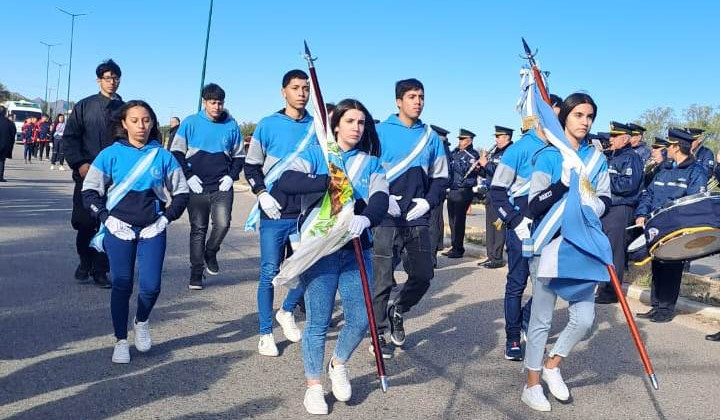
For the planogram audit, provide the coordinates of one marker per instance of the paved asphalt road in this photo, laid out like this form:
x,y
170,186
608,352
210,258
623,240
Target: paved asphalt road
x,y
56,340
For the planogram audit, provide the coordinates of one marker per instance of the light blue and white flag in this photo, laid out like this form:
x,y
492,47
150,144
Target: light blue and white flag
x,y
582,251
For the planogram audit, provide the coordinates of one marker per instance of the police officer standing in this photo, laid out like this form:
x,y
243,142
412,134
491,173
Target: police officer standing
x,y
494,228
462,179
437,223
686,177
703,155
637,143
626,182
658,160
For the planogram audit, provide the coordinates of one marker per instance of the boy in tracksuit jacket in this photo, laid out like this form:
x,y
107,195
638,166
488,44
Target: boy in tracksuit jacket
x,y
418,178
277,139
209,147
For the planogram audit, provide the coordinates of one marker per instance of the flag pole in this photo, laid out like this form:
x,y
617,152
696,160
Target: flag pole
x,y
379,362
530,56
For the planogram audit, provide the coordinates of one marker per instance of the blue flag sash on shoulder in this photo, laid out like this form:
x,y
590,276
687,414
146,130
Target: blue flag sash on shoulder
x,y
117,193
397,170
274,174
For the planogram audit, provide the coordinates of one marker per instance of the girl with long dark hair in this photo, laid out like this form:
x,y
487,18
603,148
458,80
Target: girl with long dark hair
x,y
125,189
357,139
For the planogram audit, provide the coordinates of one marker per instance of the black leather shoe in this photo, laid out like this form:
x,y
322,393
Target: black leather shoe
x,y
484,262
82,273
604,299
454,254
646,315
662,317
495,264
713,337
101,280
445,253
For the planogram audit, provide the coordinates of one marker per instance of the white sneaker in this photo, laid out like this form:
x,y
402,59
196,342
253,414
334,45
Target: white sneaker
x,y
556,384
535,398
315,400
61,168
267,347
52,167
143,340
341,388
289,328
121,354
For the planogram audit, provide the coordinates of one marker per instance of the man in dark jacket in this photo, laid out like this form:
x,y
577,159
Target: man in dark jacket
x,y
459,198
7,140
174,124
437,224
87,132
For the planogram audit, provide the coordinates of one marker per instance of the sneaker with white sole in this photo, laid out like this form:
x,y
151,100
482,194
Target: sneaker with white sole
x,y
556,384
143,340
341,388
535,398
267,347
121,354
52,167
315,400
289,328
61,168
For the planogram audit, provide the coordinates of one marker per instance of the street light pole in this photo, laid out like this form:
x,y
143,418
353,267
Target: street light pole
x,y
72,32
207,41
47,73
57,90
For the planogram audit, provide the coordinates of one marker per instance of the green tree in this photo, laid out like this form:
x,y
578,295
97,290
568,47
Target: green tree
x,y
5,95
657,121
247,128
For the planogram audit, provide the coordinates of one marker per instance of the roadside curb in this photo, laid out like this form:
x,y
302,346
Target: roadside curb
x,y
641,294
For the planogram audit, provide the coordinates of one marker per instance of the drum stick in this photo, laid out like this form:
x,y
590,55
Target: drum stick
x,y
633,227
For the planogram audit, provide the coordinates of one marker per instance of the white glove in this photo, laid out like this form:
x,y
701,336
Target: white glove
x,y
566,172
523,229
195,184
269,205
357,225
421,207
225,183
119,229
393,207
155,228
594,202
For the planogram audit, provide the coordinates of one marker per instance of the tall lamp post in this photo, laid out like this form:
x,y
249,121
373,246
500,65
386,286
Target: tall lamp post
x,y
47,73
207,41
72,32
57,89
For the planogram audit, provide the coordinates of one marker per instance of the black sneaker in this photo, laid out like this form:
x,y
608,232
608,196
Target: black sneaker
x,y
513,351
101,280
646,315
82,272
386,349
211,264
605,299
196,282
454,254
662,316
397,331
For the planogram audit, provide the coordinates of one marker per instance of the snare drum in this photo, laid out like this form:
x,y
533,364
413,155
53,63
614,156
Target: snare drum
x,y
686,229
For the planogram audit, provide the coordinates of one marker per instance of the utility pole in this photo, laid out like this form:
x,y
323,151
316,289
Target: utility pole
x,y
207,41
72,32
47,73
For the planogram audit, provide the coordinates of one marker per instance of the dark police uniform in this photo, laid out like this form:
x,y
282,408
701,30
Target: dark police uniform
x,y
642,148
460,195
494,232
626,182
437,224
660,143
669,184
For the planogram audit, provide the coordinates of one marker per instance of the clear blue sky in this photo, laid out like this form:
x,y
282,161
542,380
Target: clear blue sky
x,y
630,56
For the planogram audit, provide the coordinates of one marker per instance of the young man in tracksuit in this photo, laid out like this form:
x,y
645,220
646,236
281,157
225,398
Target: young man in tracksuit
x,y
509,197
685,177
416,166
277,140
87,132
209,147
626,182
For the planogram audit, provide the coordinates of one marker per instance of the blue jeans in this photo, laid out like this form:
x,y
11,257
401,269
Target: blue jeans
x,y
335,272
582,314
515,314
273,236
150,255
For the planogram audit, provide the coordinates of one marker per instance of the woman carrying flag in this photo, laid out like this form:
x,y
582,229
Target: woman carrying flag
x,y
125,189
310,177
552,269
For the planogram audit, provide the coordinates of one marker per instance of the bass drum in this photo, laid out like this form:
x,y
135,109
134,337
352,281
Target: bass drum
x,y
685,229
